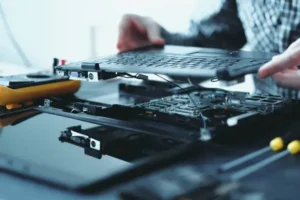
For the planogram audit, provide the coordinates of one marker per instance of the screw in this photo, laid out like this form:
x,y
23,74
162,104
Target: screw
x,y
91,76
93,143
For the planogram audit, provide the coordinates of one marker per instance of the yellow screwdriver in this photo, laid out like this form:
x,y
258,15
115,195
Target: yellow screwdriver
x,y
292,148
276,144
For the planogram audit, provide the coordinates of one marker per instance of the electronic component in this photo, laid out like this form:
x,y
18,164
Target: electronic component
x,y
75,135
146,89
218,107
75,105
222,111
88,76
200,63
122,144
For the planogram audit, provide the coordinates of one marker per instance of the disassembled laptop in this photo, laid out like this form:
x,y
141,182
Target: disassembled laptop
x,y
176,114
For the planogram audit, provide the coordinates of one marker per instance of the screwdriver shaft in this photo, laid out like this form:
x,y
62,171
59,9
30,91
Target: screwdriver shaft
x,y
247,171
241,160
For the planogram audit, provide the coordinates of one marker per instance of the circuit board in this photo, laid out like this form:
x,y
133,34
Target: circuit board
x,y
213,106
187,112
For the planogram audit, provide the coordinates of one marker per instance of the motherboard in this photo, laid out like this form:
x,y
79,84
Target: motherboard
x,y
212,107
188,114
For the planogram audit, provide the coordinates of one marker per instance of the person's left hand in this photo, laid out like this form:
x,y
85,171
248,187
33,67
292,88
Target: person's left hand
x,y
283,68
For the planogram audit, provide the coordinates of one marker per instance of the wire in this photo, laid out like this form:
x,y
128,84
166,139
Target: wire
x,y
13,40
192,100
127,75
189,80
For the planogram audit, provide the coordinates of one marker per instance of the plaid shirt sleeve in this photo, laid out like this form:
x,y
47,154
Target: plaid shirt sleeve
x,y
266,25
221,30
271,26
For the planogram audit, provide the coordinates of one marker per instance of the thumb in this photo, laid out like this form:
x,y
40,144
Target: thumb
x,y
157,41
153,33
155,38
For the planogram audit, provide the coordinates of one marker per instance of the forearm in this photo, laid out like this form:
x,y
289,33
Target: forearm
x,y
181,39
222,30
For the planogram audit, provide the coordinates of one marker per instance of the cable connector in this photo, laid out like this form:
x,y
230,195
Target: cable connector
x,y
142,76
205,134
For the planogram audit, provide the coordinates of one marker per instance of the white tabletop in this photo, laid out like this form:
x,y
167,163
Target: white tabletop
x,y
8,69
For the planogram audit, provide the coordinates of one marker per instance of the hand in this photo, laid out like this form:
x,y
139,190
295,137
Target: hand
x,y
283,68
137,31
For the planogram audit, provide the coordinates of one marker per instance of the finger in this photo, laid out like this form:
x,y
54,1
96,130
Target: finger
x,y
131,21
132,44
127,36
283,61
124,25
132,32
123,28
288,79
153,32
294,45
119,46
294,68
139,26
289,71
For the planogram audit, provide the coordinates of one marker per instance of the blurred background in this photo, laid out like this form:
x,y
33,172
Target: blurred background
x,y
81,29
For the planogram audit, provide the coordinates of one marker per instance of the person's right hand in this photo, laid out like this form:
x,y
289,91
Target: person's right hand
x,y
137,31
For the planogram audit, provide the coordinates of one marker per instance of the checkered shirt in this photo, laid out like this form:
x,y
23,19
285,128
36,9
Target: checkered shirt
x,y
264,25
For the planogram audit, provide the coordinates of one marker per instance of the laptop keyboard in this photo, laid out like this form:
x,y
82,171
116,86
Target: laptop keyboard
x,y
152,60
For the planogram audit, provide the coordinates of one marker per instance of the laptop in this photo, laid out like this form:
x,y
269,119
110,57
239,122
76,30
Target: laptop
x,y
176,61
64,157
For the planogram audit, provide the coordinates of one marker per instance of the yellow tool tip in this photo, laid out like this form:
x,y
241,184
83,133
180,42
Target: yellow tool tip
x,y
277,144
294,147
13,106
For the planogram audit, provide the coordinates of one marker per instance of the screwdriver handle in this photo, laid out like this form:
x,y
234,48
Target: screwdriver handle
x,y
294,147
293,133
277,144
